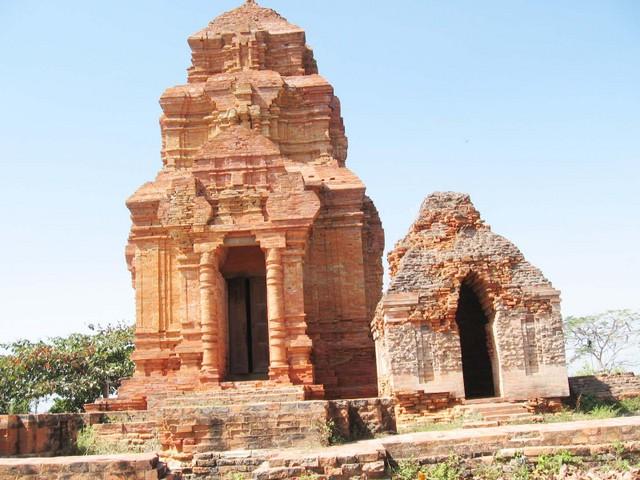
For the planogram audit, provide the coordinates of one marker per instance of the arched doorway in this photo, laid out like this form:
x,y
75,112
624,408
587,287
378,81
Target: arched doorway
x,y
476,344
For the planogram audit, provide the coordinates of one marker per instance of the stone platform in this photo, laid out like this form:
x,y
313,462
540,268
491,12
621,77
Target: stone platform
x,y
370,458
108,467
367,459
224,420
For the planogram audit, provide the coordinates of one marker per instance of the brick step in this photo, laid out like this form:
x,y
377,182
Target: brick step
x,y
499,411
480,424
496,408
508,417
132,427
232,397
244,394
494,405
137,416
247,426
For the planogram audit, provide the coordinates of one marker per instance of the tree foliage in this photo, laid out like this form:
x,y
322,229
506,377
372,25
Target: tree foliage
x,y
605,339
72,370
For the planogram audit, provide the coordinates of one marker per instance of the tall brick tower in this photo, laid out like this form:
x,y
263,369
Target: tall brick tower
x,y
255,253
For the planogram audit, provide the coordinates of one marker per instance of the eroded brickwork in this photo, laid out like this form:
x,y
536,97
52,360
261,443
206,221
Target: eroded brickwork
x,y
606,387
253,152
114,467
447,250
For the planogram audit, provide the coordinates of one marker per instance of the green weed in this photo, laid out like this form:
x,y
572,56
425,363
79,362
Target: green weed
x,y
549,465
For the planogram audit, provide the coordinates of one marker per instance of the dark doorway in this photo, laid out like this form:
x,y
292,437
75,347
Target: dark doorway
x,y
244,268
248,331
474,342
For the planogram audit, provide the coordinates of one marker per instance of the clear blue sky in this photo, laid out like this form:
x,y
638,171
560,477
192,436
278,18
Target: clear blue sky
x,y
532,107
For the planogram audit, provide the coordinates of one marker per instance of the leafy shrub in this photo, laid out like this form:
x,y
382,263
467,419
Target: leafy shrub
x,y
549,465
407,470
329,433
630,405
451,469
604,411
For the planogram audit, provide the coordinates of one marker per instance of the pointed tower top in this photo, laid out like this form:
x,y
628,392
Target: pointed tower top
x,y
249,16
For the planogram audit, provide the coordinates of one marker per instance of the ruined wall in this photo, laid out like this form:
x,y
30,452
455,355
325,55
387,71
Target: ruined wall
x,y
415,327
43,434
606,387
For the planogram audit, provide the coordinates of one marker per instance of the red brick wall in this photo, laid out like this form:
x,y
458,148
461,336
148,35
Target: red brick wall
x,y
41,434
343,281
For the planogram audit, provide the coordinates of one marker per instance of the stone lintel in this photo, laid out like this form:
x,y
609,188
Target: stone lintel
x,y
272,239
397,306
542,292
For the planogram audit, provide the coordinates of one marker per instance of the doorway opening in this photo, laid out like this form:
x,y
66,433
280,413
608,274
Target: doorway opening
x,y
476,343
248,346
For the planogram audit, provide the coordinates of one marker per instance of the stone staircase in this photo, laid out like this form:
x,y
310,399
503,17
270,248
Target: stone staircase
x,y
494,412
188,430
242,395
243,415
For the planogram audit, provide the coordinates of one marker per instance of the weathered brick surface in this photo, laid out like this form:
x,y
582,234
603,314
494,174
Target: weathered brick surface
x,y
183,425
418,344
488,441
116,467
200,426
606,387
253,152
368,459
41,434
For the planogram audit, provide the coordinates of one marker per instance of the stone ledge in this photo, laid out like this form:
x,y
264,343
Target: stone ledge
x,y
112,467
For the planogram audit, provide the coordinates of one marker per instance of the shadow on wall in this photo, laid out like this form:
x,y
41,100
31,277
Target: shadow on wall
x,y
605,387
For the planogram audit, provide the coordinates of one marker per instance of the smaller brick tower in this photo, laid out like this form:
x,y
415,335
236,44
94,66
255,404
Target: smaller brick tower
x,y
466,314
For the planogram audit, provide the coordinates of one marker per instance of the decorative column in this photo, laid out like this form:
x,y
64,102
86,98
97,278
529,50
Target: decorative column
x,y
208,319
278,367
300,344
190,347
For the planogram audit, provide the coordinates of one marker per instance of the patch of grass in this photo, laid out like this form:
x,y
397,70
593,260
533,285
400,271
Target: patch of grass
x,y
406,470
432,427
308,476
492,471
451,469
89,442
519,468
604,411
630,405
590,408
237,476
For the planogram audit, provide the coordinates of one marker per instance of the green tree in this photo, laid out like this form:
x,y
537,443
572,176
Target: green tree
x,y
605,339
72,370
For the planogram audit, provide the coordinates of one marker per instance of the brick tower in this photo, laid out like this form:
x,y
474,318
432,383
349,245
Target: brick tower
x,y
255,253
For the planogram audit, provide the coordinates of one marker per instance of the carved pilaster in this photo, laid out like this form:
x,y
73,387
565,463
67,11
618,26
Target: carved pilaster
x,y
211,289
300,345
278,368
190,348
